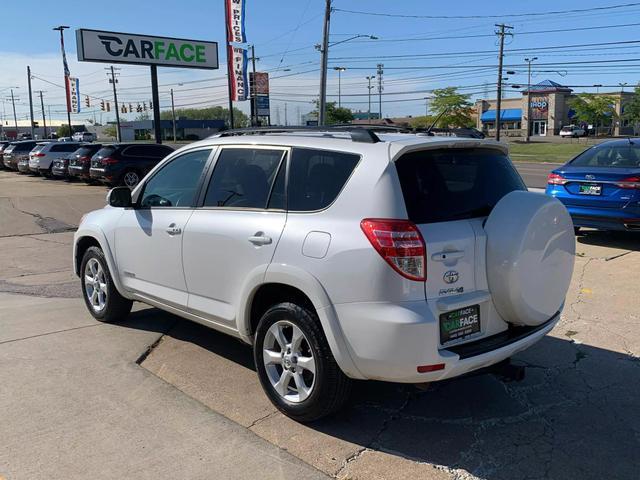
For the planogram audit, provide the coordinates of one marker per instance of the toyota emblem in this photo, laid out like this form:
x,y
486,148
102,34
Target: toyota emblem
x,y
450,277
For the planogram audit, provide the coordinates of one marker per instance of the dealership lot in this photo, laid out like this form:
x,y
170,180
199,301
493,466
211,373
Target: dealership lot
x,y
81,396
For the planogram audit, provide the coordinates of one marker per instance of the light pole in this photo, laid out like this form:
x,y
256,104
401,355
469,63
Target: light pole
x,y
340,70
173,116
597,85
622,85
369,78
529,62
426,106
65,66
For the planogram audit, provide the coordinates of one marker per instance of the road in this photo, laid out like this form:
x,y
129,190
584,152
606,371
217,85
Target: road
x,y
535,174
160,397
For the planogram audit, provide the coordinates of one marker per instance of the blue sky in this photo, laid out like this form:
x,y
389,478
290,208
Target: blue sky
x,y
419,54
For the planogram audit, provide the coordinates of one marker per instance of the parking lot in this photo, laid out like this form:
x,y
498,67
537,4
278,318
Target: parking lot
x,y
161,397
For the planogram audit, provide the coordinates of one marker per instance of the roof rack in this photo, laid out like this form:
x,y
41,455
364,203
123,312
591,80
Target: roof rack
x,y
357,133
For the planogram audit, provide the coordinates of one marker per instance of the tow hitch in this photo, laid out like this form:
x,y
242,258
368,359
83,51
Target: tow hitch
x,y
506,371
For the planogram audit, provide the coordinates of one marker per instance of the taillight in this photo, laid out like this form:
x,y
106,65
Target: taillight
x,y
38,154
400,243
108,161
84,159
629,183
555,179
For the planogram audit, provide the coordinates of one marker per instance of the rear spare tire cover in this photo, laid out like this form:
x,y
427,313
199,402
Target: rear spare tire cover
x,y
530,256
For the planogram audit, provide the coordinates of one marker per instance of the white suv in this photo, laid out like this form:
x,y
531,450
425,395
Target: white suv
x,y
338,255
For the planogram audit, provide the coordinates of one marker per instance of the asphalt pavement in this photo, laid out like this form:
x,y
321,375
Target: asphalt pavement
x,y
535,174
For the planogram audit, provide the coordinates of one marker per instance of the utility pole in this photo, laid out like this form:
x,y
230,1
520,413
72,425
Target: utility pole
x,y
286,122
529,61
380,88
65,66
113,80
15,118
33,136
501,33
369,78
44,118
254,89
173,116
426,106
322,104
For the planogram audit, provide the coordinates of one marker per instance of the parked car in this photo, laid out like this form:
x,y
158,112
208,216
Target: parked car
x,y
41,159
24,136
601,186
338,255
15,151
83,137
80,161
126,163
572,131
3,144
60,166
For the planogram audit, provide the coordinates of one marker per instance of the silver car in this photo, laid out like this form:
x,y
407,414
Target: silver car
x,y
41,158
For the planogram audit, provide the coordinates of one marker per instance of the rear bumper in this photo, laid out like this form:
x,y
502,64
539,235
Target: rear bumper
x,y
59,171
388,342
76,171
604,219
23,167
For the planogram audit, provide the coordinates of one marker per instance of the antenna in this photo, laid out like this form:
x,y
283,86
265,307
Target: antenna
x,y
440,115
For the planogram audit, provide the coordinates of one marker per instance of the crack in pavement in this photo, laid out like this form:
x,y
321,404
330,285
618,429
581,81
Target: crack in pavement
x,y
48,224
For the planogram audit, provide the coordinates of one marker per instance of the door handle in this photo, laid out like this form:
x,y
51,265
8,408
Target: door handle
x,y
173,230
260,239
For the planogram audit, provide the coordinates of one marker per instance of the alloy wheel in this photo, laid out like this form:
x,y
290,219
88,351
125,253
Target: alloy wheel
x,y
95,285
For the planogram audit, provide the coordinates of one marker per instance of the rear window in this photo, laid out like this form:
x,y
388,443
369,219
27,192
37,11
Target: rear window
x,y
64,147
105,151
618,156
24,147
316,177
454,184
85,151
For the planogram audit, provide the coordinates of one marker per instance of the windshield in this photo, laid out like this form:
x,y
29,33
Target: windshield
x,y
453,184
609,156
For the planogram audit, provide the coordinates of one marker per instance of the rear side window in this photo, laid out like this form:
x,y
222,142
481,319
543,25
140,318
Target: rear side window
x,y
245,178
316,177
618,156
85,151
105,152
454,184
64,147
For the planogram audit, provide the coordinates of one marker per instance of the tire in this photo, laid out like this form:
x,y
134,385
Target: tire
x,y
576,230
114,306
130,178
327,387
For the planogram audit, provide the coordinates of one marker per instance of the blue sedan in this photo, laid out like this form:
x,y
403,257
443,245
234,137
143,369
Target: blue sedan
x,y
601,186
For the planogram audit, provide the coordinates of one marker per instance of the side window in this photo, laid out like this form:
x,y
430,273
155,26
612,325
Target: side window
x,y
243,178
176,184
134,152
316,177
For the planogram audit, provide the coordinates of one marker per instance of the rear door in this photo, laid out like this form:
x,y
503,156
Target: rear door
x,y
230,240
448,194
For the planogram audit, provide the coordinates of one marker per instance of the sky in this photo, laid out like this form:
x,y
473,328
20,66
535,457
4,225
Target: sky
x,y
421,51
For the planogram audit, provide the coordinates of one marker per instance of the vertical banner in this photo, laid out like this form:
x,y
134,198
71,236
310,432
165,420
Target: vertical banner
x,y
237,58
74,94
235,21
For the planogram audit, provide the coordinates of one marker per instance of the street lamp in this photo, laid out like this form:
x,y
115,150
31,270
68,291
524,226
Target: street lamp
x,y
61,29
340,70
529,62
622,85
597,85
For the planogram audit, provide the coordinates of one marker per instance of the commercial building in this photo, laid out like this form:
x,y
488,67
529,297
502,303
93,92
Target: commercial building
x,y
550,111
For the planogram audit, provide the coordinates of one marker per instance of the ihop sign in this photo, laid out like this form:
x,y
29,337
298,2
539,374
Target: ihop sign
x,y
539,107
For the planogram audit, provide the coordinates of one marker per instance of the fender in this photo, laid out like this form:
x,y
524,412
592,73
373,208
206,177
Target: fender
x,y
95,232
312,288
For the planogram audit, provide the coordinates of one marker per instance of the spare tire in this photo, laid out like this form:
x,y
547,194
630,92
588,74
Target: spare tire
x,y
530,256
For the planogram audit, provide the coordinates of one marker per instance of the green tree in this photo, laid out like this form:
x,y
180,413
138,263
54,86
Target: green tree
x,y
632,108
110,131
334,114
424,121
208,113
64,131
143,116
456,107
594,109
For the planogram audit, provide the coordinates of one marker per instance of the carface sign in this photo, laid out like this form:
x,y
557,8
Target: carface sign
x,y
114,47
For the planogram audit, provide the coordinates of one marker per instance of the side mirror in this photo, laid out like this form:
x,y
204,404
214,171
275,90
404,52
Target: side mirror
x,y
119,197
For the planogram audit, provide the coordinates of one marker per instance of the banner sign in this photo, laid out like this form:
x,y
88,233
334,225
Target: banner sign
x,y
238,71
235,21
130,48
261,83
74,95
262,106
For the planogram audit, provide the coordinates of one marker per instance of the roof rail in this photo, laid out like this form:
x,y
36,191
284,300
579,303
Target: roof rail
x,y
357,133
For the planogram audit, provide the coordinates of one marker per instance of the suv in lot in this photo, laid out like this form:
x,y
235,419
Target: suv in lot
x,y
337,254
41,158
83,137
17,151
80,161
126,163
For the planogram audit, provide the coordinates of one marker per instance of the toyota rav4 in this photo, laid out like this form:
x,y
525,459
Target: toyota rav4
x,y
337,254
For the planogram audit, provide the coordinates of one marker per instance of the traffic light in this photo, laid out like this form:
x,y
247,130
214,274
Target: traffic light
x,y
139,108
144,106
130,108
123,109
108,107
150,104
102,105
87,102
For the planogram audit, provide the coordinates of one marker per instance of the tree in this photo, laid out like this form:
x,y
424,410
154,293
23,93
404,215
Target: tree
x,y
142,116
424,121
593,109
110,131
334,114
632,109
456,109
64,131
208,113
